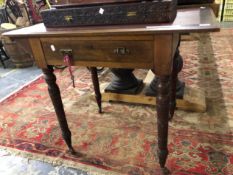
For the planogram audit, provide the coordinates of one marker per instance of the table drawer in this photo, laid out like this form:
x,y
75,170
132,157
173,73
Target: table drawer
x,y
107,51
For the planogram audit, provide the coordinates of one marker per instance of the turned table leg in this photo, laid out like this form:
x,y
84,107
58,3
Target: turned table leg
x,y
55,96
177,67
95,81
163,101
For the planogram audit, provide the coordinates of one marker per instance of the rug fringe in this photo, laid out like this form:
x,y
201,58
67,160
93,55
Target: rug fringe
x,y
56,162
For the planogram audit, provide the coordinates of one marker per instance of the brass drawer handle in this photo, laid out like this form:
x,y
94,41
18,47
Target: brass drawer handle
x,y
68,19
121,51
66,52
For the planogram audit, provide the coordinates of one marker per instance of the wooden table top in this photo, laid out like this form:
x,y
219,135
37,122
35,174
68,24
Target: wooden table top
x,y
187,20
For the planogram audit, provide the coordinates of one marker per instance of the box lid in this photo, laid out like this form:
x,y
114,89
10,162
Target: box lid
x,y
68,3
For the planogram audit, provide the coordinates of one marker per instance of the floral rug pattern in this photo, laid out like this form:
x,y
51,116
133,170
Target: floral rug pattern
x,y
123,139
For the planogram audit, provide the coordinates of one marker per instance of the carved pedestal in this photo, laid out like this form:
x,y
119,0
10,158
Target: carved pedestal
x,y
124,82
178,61
177,87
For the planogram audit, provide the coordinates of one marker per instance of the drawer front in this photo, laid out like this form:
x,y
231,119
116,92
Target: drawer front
x,y
107,51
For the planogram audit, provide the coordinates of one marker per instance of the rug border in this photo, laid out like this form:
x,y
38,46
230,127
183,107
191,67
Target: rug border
x,y
91,170
20,88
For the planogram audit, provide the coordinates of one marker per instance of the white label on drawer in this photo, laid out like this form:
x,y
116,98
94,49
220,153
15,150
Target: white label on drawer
x,y
53,48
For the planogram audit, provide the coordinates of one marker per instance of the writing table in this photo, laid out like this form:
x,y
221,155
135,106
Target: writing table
x,y
137,46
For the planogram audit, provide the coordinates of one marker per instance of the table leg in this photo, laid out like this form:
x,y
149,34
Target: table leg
x,y
163,108
55,96
177,67
3,64
95,81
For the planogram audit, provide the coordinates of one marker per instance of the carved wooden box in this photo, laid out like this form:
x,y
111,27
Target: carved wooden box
x,y
188,2
110,13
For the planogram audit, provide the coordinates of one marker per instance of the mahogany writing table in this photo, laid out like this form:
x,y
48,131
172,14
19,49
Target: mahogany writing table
x,y
137,46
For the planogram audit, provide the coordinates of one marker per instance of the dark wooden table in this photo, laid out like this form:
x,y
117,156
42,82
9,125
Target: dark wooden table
x,y
137,46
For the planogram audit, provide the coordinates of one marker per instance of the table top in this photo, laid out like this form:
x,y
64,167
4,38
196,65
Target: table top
x,y
187,20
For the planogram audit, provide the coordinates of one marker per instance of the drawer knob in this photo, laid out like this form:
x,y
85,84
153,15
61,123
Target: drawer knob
x,y
121,51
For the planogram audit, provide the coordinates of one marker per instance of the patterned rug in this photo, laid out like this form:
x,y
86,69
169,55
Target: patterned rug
x,y
123,139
